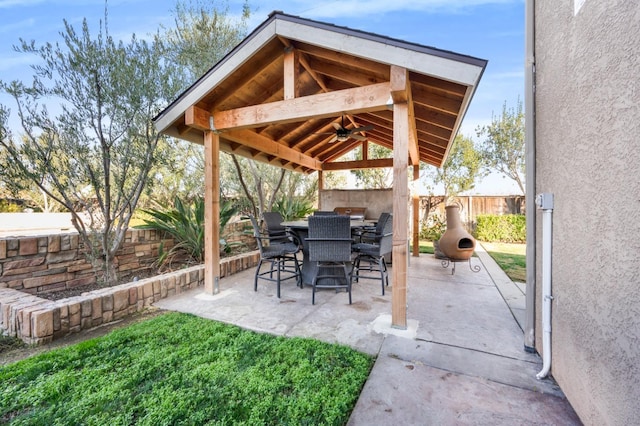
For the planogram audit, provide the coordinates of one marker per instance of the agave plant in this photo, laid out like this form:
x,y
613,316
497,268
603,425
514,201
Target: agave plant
x,y
293,208
185,223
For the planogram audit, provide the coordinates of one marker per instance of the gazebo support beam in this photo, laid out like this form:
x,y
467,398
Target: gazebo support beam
x,y
400,215
348,101
401,93
415,238
211,212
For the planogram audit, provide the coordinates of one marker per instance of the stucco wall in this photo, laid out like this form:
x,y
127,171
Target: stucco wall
x,y
588,156
376,201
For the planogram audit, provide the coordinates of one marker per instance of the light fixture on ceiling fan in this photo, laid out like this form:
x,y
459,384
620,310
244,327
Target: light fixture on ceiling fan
x,y
342,134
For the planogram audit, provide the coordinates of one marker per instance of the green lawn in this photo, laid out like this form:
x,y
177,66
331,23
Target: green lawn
x,y
510,257
424,247
181,369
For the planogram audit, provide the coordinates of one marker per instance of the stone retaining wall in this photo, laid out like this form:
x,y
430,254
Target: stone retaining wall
x,y
36,320
47,263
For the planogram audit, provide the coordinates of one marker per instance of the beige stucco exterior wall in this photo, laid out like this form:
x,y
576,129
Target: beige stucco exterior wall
x,y
376,201
588,156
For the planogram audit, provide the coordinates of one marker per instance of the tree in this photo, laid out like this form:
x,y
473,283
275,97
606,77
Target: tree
x,y
265,186
461,169
13,183
377,178
96,154
503,147
202,34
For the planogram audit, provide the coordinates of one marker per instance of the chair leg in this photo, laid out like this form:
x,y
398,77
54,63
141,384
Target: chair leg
x,y
255,281
280,263
382,272
348,279
355,272
313,291
386,271
298,271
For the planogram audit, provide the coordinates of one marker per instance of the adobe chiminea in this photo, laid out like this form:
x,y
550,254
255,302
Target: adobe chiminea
x,y
456,243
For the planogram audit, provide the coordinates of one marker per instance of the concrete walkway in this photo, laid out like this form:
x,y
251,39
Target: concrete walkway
x,y
460,362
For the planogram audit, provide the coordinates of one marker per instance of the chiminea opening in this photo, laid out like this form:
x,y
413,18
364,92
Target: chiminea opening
x,y
465,243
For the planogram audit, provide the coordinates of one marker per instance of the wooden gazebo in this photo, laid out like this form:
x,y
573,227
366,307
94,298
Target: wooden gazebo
x,y
278,96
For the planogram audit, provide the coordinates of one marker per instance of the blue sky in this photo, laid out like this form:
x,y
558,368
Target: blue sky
x,y
487,29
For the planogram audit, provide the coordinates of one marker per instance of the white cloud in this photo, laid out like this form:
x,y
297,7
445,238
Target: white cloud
x,y
9,28
17,61
5,4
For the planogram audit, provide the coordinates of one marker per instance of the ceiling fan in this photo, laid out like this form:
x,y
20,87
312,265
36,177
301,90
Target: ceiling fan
x,y
342,133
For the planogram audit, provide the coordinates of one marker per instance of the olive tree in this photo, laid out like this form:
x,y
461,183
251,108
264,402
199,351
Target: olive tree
x,y
94,155
503,147
460,171
201,34
376,178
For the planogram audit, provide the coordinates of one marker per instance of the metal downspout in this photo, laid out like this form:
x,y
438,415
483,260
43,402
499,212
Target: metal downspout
x,y
530,185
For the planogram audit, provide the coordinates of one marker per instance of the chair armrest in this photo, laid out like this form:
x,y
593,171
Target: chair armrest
x,y
329,239
266,237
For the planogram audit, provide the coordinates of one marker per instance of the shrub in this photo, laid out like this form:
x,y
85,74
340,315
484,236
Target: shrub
x,y
510,228
433,229
9,207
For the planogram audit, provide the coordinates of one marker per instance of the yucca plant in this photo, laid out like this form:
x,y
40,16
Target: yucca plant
x,y
185,223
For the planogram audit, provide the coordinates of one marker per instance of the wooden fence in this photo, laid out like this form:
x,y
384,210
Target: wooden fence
x,y
471,206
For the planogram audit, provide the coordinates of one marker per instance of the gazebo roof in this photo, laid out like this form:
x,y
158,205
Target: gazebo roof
x,y
276,96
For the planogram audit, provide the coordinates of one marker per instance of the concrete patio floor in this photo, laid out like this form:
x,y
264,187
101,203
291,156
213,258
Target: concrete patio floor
x,y
461,360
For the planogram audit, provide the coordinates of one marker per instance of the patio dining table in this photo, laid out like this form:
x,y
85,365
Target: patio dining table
x,y
300,228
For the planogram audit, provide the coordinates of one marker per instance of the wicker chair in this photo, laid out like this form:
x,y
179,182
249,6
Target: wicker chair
x,y
373,253
281,256
276,231
330,248
367,234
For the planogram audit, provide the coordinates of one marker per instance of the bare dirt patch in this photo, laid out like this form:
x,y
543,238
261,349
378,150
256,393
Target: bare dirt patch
x,y
77,291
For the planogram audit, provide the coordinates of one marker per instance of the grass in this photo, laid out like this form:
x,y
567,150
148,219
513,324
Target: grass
x,y
510,257
181,369
424,247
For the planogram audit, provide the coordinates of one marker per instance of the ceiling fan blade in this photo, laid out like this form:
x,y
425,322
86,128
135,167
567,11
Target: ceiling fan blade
x,y
358,137
336,126
333,139
361,129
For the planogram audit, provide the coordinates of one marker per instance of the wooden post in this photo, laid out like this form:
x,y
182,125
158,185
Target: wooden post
x,y
211,212
416,213
320,188
400,214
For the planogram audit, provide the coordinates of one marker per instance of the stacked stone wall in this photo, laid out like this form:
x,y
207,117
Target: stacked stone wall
x,y
48,263
36,320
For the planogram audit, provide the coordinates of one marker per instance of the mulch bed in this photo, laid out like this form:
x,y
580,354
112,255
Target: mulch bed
x,y
77,291
177,264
